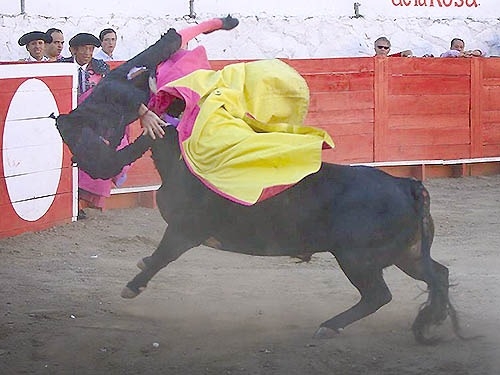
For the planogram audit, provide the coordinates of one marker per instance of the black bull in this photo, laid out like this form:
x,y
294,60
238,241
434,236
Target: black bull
x,y
366,218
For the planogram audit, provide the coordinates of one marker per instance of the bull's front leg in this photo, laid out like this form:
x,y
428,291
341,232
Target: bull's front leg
x,y
171,247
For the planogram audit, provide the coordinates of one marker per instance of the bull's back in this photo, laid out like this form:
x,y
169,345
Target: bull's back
x,y
337,207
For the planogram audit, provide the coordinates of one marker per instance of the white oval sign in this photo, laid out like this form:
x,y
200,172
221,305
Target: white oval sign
x,y
32,150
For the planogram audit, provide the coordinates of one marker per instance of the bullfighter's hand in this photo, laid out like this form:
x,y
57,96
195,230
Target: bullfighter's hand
x,y
152,124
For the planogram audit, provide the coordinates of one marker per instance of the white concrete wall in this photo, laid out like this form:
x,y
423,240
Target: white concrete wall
x,y
268,28
374,8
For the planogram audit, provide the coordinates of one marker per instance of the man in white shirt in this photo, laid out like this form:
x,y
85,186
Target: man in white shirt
x,y
107,38
35,42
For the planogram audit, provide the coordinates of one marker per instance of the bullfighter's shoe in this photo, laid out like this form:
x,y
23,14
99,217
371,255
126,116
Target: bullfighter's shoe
x,y
227,23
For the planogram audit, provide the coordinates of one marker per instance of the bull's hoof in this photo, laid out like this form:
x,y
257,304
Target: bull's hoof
x,y
326,333
129,293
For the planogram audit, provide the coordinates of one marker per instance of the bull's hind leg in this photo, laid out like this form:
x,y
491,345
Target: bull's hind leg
x,y
368,279
415,268
438,306
171,247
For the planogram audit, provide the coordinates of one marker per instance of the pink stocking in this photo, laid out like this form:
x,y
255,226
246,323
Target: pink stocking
x,y
204,27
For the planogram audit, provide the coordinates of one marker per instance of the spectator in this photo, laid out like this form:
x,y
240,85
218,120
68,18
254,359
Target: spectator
x,y
383,46
92,192
35,42
457,49
90,70
53,49
108,44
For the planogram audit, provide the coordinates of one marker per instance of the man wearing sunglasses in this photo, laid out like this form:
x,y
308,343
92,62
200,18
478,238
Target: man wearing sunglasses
x,y
383,46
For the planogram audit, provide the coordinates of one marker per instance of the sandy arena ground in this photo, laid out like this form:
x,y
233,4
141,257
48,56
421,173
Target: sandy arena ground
x,y
221,313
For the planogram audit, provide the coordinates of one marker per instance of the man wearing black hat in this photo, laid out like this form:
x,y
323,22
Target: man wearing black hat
x,y
92,192
35,45
90,70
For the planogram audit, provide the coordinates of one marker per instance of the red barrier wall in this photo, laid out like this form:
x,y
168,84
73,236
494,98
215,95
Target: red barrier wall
x,y
409,116
37,188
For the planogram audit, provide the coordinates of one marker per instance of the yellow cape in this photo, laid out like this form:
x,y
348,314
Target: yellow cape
x,y
249,134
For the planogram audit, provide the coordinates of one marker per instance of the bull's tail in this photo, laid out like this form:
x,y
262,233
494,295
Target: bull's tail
x,y
438,306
